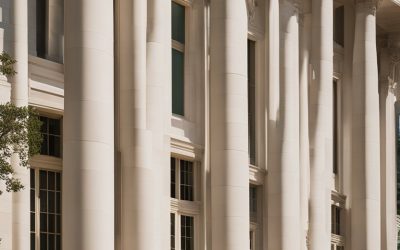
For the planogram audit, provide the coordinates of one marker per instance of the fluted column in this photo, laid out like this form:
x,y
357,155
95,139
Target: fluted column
x,y
19,97
229,126
284,171
137,176
365,217
320,89
88,155
159,113
305,52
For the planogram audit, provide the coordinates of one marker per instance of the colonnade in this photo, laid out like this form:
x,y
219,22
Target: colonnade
x,y
137,92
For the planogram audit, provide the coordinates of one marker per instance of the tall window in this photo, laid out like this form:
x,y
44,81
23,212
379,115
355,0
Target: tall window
x,y
51,132
251,88
184,206
337,239
254,217
338,25
335,113
178,58
50,29
45,209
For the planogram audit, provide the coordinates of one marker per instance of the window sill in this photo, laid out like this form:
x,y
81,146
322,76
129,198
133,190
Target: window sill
x,y
46,161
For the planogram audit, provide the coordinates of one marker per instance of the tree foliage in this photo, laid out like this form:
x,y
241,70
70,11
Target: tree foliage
x,y
20,134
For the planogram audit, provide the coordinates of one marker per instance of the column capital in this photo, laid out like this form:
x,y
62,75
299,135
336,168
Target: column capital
x,y
369,6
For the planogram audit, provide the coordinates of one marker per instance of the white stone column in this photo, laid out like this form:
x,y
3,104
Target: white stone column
x,y
137,176
229,126
55,30
88,155
19,97
305,54
365,218
284,172
320,89
159,96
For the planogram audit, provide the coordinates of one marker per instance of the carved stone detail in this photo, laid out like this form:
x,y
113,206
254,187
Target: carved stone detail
x,y
251,9
369,6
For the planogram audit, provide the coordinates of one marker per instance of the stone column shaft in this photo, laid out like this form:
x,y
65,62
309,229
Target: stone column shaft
x,y
137,208
365,218
19,97
88,156
305,49
229,126
284,171
159,96
320,89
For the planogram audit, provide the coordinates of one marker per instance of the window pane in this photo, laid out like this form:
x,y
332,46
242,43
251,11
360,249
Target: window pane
x,y
33,241
44,147
43,222
173,178
187,233
54,126
32,174
43,201
58,202
251,88
51,201
43,241
172,231
58,181
32,222
43,179
177,82
51,223
58,243
58,224
338,33
51,180
54,146
186,186
178,22
52,242
253,200
32,200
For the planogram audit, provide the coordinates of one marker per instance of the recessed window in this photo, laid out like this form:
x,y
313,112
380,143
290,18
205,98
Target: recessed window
x,y
338,25
251,98
178,58
172,231
335,120
187,232
51,132
184,205
253,200
335,219
182,176
45,211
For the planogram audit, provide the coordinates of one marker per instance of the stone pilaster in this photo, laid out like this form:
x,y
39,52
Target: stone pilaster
x,y
365,217
229,126
88,148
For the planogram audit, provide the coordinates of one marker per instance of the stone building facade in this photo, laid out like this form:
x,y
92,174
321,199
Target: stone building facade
x,y
205,124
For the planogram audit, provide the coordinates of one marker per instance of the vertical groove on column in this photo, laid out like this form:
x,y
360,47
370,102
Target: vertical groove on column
x,y
320,93
365,218
88,159
229,126
19,97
